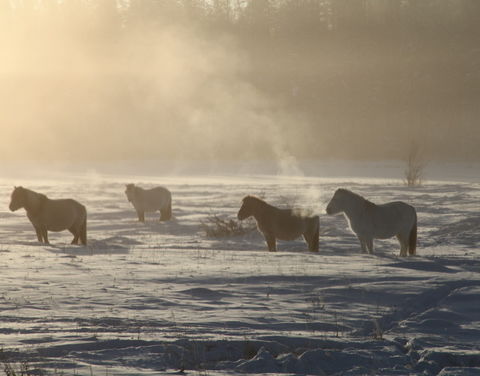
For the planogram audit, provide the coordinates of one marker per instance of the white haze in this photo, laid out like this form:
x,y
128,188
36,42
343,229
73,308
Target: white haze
x,y
169,94
174,80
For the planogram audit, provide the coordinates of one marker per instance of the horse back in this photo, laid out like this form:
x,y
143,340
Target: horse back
x,y
153,199
61,214
392,218
285,224
400,208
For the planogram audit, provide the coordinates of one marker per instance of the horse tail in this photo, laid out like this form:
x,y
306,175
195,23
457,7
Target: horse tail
x,y
83,230
412,240
315,234
166,213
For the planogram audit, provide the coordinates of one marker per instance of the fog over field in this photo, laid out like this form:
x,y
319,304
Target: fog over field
x,y
106,80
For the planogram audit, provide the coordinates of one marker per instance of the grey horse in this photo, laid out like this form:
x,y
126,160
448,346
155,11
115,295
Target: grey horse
x,y
150,200
371,221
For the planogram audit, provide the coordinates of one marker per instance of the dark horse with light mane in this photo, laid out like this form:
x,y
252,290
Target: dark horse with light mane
x,y
283,224
51,215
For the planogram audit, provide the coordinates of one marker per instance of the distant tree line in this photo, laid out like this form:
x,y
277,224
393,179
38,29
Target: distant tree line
x,y
366,75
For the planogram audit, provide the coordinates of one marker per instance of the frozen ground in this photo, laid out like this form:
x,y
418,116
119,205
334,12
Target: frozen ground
x,y
155,298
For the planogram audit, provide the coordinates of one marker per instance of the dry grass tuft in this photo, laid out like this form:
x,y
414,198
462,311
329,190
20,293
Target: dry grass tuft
x,y
218,227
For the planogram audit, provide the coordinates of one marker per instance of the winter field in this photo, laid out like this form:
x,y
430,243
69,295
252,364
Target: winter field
x,y
163,298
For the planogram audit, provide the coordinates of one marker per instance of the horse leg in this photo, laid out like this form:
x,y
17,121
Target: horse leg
x,y
312,234
403,245
363,244
141,216
83,231
166,213
271,242
45,235
412,238
403,249
75,234
312,242
369,243
38,230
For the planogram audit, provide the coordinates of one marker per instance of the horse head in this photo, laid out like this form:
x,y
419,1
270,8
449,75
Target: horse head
x,y
249,203
130,192
335,205
17,199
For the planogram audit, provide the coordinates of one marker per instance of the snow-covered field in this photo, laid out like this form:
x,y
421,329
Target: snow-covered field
x,y
159,298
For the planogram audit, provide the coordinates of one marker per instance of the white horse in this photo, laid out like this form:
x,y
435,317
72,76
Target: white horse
x,y
150,200
370,221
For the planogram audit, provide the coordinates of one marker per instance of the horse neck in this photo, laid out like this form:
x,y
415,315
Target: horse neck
x,y
138,193
261,209
355,206
34,201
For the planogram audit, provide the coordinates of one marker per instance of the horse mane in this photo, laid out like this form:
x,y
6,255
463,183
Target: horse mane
x,y
256,200
41,196
252,198
368,203
136,188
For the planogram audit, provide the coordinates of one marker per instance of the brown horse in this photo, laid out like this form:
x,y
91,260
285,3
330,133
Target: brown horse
x,y
283,224
51,215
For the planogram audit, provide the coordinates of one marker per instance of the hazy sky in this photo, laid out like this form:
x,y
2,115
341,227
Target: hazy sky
x,y
165,93
72,89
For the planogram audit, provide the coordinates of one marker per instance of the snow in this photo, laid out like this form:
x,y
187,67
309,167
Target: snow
x,y
153,298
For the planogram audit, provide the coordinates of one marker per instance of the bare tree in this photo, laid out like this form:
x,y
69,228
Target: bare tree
x,y
414,173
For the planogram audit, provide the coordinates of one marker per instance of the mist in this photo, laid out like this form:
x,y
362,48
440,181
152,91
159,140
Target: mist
x,y
144,80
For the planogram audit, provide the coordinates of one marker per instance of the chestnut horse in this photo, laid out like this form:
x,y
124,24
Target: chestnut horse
x,y
283,224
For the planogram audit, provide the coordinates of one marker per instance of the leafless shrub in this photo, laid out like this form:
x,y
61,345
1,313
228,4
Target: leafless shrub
x,y
217,227
415,167
21,369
